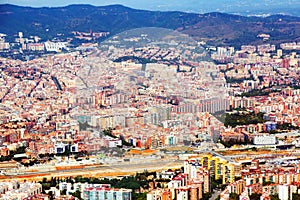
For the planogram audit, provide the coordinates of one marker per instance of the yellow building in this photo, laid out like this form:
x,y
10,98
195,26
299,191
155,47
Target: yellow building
x,y
219,167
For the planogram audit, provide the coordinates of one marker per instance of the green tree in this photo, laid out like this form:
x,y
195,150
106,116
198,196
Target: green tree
x,y
139,196
64,192
206,196
77,194
44,180
233,196
255,196
51,196
296,196
275,197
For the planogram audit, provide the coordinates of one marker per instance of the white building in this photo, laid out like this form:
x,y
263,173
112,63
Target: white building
x,y
114,143
284,192
60,148
55,46
19,190
264,140
4,45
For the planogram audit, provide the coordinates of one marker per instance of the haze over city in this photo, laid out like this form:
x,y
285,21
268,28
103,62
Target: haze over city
x,y
244,7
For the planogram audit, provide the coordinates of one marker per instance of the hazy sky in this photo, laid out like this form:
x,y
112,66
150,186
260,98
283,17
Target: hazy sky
x,y
200,6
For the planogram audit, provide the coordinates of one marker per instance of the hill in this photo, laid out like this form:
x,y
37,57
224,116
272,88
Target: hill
x,y
216,28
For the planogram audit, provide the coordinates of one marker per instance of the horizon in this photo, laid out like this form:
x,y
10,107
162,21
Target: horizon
x,y
254,7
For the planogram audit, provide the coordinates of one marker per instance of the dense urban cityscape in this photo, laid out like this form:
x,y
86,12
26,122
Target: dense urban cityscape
x,y
148,114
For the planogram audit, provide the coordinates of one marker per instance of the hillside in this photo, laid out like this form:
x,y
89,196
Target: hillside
x,y
217,28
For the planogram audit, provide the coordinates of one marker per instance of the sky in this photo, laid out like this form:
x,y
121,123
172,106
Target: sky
x,y
197,6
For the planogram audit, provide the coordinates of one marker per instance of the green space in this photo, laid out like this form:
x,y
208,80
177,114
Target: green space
x,y
134,59
243,118
258,92
236,80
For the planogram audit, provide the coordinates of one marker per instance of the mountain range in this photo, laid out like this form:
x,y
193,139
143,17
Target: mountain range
x,y
214,28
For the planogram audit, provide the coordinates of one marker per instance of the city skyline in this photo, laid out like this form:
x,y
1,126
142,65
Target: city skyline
x,y
255,7
118,103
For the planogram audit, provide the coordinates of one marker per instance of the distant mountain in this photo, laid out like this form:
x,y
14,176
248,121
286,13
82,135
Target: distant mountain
x,y
216,28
